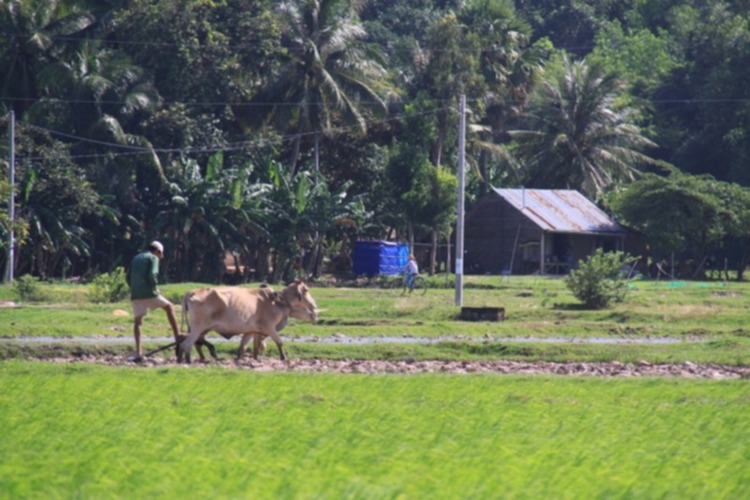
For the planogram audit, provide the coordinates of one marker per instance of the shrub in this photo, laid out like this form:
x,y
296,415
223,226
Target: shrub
x,y
27,288
109,287
600,279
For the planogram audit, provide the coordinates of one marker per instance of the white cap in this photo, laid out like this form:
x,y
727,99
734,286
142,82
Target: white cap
x,y
156,245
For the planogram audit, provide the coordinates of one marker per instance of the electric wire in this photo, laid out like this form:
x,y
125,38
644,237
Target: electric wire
x,y
255,143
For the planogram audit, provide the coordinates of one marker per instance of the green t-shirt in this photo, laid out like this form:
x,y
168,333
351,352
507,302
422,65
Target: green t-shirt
x,y
143,276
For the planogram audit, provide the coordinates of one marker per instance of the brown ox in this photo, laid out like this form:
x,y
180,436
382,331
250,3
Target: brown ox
x,y
231,311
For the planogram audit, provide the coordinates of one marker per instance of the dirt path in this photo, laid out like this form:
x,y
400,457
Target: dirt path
x,y
611,369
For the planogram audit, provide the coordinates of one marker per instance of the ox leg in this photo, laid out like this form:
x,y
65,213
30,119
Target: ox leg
x,y
277,339
243,345
200,344
210,348
199,350
187,345
259,345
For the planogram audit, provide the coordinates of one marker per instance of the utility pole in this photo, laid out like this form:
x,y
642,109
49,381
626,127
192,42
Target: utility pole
x,y
11,199
460,219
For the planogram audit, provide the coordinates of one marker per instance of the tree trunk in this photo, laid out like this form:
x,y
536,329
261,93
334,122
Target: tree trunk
x,y
433,250
412,250
317,152
742,263
261,260
314,263
448,253
437,150
295,154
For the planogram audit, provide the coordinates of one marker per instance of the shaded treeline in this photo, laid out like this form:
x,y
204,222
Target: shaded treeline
x,y
284,131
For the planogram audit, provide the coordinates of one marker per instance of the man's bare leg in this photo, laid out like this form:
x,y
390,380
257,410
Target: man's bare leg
x,y
173,323
137,334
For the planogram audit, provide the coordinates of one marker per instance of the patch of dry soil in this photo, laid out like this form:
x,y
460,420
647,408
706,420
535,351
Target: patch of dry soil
x,y
611,369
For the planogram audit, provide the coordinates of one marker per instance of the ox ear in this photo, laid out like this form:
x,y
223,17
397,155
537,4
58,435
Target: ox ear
x,y
278,299
299,288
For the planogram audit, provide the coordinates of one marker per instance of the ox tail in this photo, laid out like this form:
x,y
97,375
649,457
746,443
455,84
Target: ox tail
x,y
184,322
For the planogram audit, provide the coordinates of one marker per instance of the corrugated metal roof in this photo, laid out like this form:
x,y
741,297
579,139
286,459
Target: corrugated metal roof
x,y
560,210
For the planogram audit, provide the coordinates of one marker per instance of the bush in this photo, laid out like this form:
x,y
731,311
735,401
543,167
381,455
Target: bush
x,y
110,287
600,279
27,288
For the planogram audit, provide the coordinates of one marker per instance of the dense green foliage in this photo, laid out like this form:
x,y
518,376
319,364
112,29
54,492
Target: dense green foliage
x,y
93,431
27,288
198,122
680,211
600,279
109,287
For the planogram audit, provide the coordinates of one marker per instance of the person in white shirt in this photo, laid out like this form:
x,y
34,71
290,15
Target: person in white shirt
x,y
412,269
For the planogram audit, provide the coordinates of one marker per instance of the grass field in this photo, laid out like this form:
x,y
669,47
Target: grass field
x,y
75,431
95,431
708,319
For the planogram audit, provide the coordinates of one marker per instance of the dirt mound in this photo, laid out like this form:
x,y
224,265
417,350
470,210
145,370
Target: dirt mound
x,y
611,369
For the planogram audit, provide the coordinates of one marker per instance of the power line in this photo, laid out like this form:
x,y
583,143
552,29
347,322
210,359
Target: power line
x,y
164,102
92,141
167,102
294,49
236,146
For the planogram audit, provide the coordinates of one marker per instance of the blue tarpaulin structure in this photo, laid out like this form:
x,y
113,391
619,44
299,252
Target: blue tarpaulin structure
x,y
379,257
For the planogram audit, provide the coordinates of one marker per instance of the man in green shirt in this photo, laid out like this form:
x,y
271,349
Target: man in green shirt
x,y
144,295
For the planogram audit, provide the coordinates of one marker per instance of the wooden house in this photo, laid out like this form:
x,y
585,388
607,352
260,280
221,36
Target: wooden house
x,y
545,231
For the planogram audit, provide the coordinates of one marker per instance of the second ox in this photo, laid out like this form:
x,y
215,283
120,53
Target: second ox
x,y
231,311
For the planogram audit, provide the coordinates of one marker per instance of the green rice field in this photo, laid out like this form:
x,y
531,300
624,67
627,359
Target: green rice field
x,y
82,430
87,431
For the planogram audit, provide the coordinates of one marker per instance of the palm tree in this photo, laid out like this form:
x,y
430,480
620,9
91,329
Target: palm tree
x,y
101,84
576,136
102,95
52,202
509,65
328,73
32,31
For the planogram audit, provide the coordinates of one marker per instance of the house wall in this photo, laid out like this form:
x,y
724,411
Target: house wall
x,y
490,234
563,251
494,227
